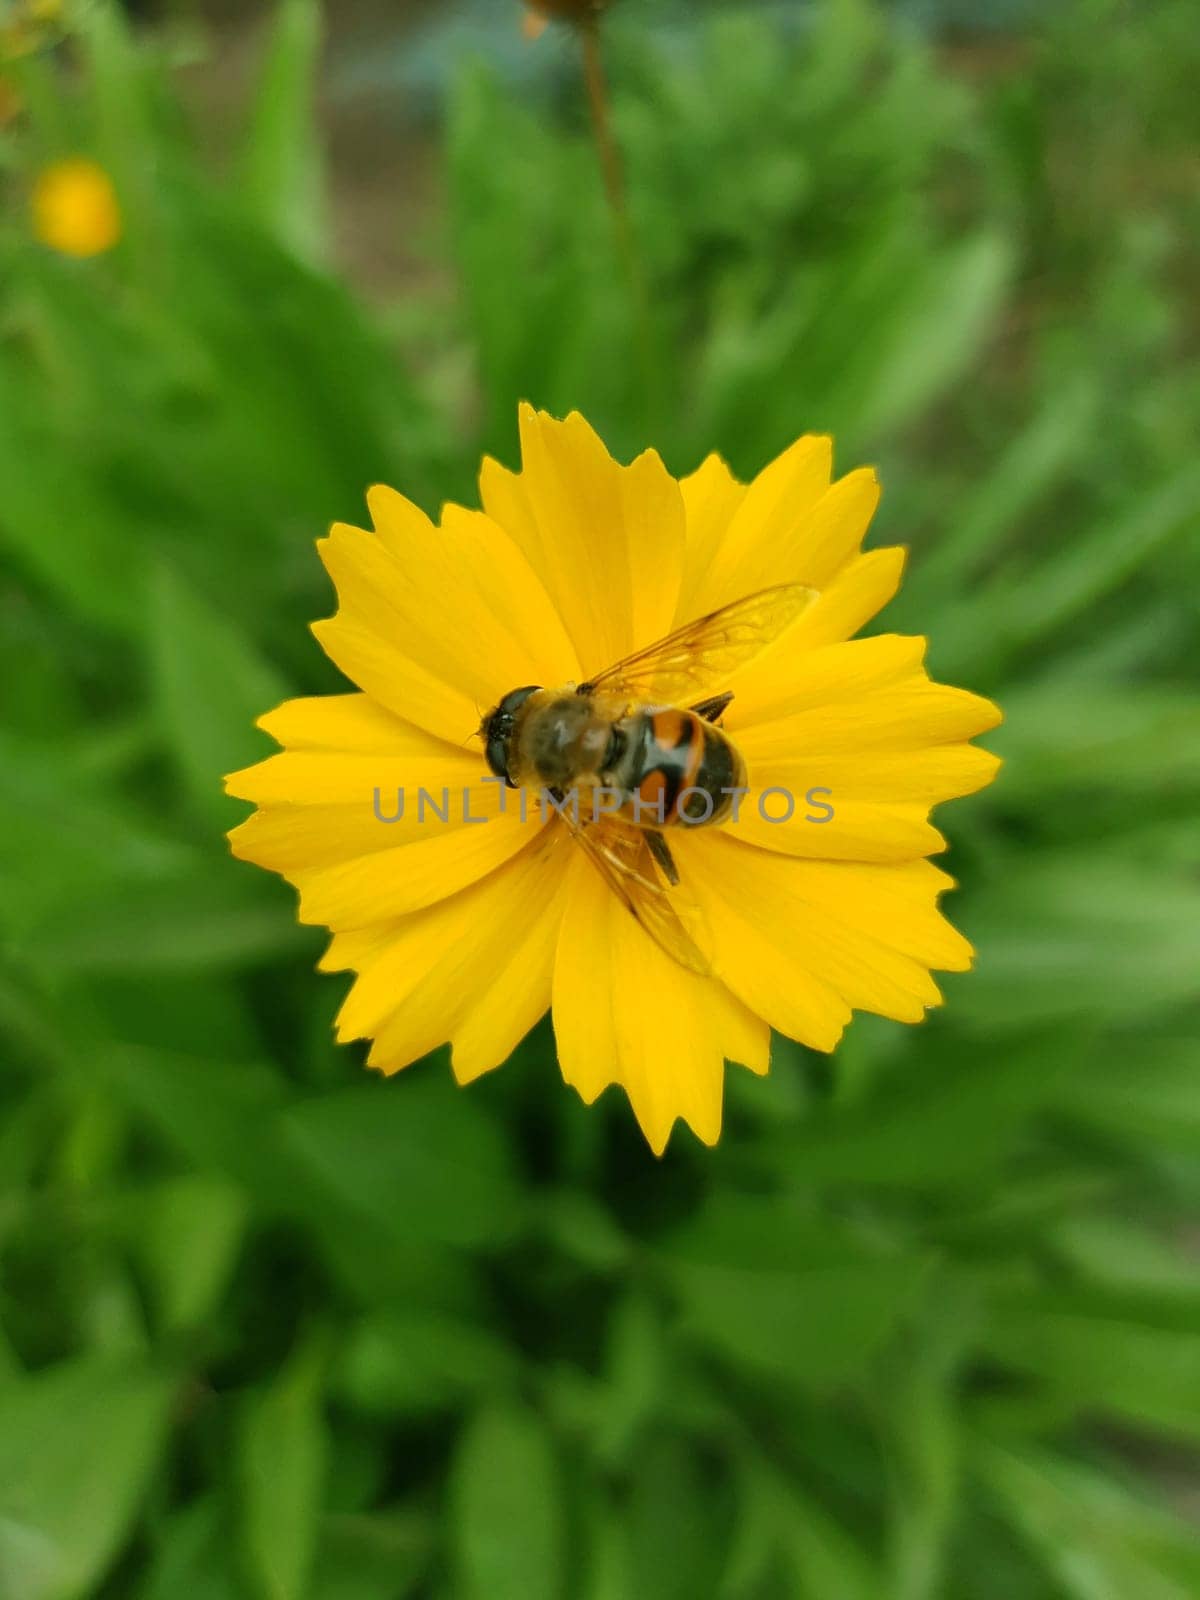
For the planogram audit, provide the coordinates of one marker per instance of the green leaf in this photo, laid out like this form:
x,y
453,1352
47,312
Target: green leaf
x,y
811,1328
414,1154
191,1556
1099,1539
678,1523
126,125
200,921
1031,465
508,1528
803,1303
220,1115
187,1232
65,837
937,334
577,1224
916,1398
1075,936
1102,1360
1147,741
282,178
823,1558
364,1557
66,536
78,1444
281,1456
635,1373
1074,579
209,687
786,1541
943,1126
1122,1256
1155,1107
1007,617
421,1361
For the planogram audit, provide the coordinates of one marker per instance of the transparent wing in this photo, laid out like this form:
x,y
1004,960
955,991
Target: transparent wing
x,y
622,858
705,653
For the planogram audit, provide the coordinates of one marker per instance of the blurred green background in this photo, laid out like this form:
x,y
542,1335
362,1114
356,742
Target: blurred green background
x,y
926,1325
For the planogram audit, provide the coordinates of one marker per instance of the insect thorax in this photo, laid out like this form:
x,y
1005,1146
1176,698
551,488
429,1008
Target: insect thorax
x,y
563,741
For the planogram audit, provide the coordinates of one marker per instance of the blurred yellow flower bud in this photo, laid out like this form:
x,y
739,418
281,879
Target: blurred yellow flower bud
x,y
539,12
75,208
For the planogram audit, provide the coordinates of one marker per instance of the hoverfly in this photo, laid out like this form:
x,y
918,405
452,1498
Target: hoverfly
x,y
635,732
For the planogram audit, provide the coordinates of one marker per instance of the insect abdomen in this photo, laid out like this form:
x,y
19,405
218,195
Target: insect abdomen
x,y
686,765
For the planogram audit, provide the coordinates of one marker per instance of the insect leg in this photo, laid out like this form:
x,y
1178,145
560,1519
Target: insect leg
x,y
713,708
661,851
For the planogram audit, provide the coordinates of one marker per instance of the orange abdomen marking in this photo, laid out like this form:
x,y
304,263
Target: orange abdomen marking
x,y
671,763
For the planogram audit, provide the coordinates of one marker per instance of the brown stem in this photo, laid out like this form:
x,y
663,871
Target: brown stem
x,y
614,185
597,91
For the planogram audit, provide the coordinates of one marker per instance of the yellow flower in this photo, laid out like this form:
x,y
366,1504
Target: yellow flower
x,y
468,933
75,208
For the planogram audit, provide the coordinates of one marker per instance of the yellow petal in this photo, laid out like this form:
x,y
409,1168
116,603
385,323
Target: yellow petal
x,y
437,624
351,722
821,823
416,807
357,781
474,969
766,537
853,778
828,675
745,1037
711,498
328,777
498,1012
925,777
397,679
789,526
435,863
802,942
917,777
606,540
753,955
834,530
906,714
862,588
350,950
625,1013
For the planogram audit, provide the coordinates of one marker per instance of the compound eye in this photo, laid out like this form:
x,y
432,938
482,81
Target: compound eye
x,y
496,755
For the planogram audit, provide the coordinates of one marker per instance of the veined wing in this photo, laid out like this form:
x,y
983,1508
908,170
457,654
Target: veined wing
x,y
704,654
622,857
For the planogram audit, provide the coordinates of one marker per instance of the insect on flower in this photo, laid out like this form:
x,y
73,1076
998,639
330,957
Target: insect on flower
x,y
648,765
677,657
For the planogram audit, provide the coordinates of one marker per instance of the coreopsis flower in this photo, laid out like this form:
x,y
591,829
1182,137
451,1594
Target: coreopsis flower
x,y
75,209
804,896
